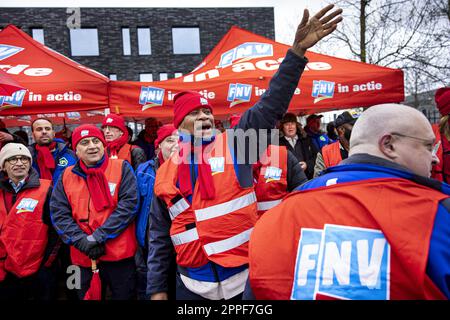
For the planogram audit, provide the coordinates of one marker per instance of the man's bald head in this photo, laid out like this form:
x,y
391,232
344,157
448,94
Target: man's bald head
x,y
392,132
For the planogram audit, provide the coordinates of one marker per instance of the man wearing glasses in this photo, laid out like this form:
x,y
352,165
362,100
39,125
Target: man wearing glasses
x,y
25,237
373,227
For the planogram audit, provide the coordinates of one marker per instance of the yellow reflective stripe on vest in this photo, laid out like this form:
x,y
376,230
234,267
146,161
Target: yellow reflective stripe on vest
x,y
266,205
184,237
225,208
178,208
228,244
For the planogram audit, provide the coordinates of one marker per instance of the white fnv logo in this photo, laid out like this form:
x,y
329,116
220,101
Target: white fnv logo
x,y
342,262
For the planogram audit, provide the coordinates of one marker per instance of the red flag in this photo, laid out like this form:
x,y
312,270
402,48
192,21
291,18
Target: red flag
x,y
95,290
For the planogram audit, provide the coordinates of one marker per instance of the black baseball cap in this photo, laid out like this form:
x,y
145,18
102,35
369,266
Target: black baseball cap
x,y
346,117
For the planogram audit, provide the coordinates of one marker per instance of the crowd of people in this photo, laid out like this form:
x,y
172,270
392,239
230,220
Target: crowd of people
x,y
193,211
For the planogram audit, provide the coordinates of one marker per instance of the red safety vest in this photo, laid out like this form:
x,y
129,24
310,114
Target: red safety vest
x,y
89,219
209,230
398,210
331,154
125,152
271,185
23,234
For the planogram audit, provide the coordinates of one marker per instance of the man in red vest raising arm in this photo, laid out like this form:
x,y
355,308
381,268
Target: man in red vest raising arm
x,y
374,227
205,204
92,207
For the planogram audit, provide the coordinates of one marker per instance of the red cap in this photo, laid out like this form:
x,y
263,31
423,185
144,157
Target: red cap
x,y
114,120
163,132
442,98
86,131
185,102
234,120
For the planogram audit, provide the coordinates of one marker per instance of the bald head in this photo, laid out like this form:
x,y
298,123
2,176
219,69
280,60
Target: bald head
x,y
394,132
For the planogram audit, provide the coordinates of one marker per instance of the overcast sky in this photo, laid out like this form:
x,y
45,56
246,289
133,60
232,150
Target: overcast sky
x,y
288,13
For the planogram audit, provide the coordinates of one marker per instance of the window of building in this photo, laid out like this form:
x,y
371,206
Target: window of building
x,y
186,40
112,76
38,35
144,41
84,42
126,41
178,75
146,77
163,76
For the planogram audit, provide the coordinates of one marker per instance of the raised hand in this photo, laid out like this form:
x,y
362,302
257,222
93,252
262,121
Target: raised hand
x,y
310,31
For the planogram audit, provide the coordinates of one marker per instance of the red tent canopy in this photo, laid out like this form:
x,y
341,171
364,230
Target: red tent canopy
x,y
238,70
54,82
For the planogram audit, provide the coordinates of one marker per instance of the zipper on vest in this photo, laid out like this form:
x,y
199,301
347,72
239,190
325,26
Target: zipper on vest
x,y
193,176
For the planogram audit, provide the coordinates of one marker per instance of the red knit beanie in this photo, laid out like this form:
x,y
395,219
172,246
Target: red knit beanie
x,y
114,120
163,132
185,102
442,98
86,131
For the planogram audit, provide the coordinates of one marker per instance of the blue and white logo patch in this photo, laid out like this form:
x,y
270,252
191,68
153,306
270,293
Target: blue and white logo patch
x,y
7,51
26,205
63,162
112,188
239,93
345,263
322,90
217,165
272,174
245,51
151,97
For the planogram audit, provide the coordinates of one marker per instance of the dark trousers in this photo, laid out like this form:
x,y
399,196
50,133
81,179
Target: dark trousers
x,y
118,276
183,293
141,273
40,286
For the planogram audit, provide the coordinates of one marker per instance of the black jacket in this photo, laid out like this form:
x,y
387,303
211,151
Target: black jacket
x,y
304,150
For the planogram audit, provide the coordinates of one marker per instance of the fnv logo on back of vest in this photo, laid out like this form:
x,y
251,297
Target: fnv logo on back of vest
x,y
245,51
342,262
217,164
239,93
26,205
272,174
151,97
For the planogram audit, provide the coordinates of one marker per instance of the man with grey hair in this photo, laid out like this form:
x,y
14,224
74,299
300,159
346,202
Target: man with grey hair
x,y
373,227
26,239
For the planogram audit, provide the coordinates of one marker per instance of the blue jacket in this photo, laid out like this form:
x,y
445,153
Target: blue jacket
x,y
64,157
145,176
319,139
363,167
263,115
120,218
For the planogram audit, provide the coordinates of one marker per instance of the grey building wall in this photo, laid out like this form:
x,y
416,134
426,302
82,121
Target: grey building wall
x,y
212,22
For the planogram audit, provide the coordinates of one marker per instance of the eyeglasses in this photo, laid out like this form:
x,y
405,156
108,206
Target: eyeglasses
x,y
14,160
427,142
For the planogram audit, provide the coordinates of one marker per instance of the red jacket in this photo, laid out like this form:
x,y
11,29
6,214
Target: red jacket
x,y
331,154
89,219
444,163
271,185
23,234
369,239
209,230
